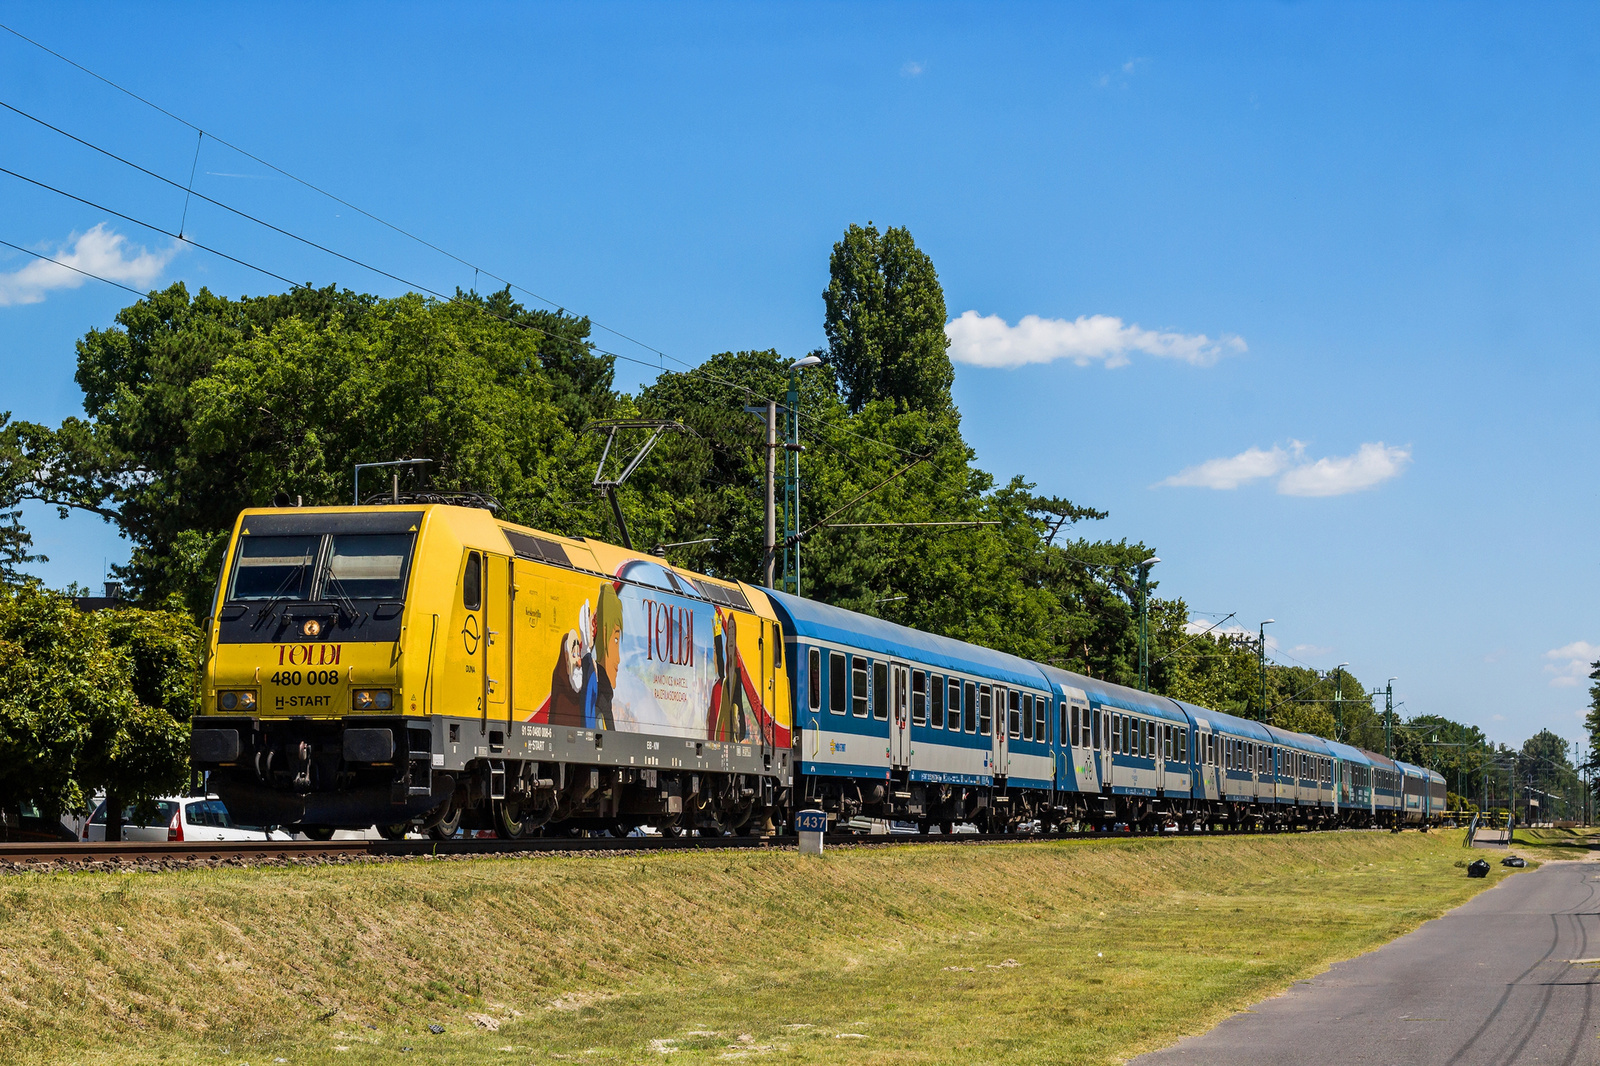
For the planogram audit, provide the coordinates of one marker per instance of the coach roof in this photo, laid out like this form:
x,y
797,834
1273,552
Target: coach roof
x,y
835,625
1112,695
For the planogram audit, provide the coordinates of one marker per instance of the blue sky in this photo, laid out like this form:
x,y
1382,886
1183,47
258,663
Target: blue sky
x,y
1312,285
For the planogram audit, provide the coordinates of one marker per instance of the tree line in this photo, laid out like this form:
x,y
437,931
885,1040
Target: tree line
x,y
198,405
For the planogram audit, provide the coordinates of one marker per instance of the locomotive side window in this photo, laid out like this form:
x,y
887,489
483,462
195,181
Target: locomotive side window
x,y
777,646
969,696
919,697
858,687
836,685
472,583
814,677
936,716
880,690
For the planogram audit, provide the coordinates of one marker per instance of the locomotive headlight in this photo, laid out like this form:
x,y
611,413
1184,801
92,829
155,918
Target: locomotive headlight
x,y
372,699
236,700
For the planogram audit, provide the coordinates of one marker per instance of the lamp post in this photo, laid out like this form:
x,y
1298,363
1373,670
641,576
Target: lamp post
x,y
1338,700
791,481
1261,659
1144,621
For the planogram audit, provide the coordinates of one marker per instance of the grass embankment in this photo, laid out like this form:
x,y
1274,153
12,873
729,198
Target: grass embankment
x,y
1063,952
1577,843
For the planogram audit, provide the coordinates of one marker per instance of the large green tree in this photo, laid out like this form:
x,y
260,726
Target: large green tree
x,y
199,407
885,316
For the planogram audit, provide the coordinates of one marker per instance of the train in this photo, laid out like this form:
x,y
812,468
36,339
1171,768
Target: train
x,y
429,666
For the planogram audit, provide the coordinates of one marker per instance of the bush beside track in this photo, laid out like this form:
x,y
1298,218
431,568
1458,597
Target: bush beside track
x,y
1059,951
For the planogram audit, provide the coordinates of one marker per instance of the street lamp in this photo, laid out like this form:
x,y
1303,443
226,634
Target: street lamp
x,y
791,485
1144,621
1261,659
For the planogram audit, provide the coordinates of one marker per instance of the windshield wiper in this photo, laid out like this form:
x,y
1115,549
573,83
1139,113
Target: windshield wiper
x,y
340,596
279,596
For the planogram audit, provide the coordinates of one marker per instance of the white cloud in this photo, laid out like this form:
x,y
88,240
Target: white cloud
x,y
911,69
1314,650
1571,663
988,340
1371,465
100,251
1249,465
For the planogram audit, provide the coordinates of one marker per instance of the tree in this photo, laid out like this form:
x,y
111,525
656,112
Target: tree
x,y
1591,722
15,541
885,316
1547,775
92,701
197,408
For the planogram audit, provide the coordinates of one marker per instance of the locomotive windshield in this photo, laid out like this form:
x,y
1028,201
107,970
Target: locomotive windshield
x,y
296,568
270,567
369,566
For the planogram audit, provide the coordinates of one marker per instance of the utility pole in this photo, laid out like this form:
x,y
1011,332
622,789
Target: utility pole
x,y
791,480
1338,701
1261,659
1388,718
1144,621
770,528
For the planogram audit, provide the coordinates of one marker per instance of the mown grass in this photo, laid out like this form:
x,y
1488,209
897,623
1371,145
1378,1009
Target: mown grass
x,y
1062,952
1577,843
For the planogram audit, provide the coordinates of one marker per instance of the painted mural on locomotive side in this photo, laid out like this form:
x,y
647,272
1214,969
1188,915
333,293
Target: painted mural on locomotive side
x,y
636,653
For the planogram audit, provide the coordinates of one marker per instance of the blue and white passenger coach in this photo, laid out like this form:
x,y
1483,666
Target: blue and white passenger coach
x,y
904,724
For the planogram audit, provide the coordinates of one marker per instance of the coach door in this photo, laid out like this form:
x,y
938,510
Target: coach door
x,y
900,719
1001,722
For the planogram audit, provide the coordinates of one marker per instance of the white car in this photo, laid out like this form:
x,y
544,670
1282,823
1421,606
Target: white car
x,y
178,818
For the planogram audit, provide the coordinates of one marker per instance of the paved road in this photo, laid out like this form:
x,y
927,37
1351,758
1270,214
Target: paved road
x,y
1493,982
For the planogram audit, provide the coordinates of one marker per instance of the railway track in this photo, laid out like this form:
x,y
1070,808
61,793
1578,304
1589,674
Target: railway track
x,y
172,854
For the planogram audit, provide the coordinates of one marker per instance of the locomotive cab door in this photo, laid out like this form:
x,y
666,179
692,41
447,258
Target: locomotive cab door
x,y
496,644
900,718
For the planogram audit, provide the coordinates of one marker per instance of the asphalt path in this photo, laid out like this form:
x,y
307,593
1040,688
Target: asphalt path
x,y
1498,980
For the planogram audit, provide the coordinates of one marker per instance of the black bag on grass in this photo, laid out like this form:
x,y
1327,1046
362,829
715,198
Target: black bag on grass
x,y
1480,868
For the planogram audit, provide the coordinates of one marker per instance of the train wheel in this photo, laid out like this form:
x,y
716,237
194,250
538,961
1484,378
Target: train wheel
x,y
449,825
318,832
393,832
508,819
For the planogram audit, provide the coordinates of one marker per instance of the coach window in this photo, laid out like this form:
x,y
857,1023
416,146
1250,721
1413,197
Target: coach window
x,y
836,682
1183,745
880,690
814,677
1014,720
919,697
969,702
1041,718
858,686
1166,742
1250,757
985,709
953,707
472,583
936,715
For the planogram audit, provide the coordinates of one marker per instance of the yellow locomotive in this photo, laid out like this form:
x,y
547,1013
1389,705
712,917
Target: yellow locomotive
x,y
425,664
